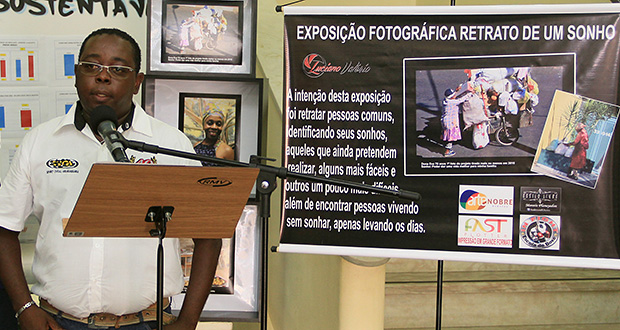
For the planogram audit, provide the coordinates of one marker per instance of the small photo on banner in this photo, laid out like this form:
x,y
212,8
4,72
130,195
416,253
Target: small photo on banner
x,y
575,139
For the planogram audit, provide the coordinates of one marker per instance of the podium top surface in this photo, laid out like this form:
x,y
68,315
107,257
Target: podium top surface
x,y
207,201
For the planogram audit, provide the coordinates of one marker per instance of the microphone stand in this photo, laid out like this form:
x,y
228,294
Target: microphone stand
x,y
279,7
265,185
267,172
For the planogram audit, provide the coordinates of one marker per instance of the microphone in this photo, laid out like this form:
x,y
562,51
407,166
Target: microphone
x,y
104,119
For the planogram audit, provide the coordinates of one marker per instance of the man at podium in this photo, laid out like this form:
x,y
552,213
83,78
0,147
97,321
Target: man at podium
x,y
85,283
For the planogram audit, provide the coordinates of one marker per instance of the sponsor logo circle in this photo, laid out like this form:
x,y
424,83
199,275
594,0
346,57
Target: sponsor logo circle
x,y
539,232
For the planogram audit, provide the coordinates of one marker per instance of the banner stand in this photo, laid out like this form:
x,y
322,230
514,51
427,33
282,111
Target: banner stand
x,y
439,294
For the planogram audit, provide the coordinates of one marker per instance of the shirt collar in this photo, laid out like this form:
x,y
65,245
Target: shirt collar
x,y
138,121
80,122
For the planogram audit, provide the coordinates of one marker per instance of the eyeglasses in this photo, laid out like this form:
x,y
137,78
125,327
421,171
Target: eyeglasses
x,y
116,71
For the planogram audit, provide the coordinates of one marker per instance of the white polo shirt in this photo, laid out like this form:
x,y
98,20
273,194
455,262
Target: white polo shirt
x,y
81,276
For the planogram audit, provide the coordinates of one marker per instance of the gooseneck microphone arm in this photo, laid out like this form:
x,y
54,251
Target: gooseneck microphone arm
x,y
279,172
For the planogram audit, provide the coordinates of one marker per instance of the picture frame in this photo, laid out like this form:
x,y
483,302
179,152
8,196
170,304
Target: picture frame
x,y
213,37
202,115
241,300
209,121
162,96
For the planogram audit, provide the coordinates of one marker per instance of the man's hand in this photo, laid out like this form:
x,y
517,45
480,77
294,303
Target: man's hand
x,y
14,280
34,318
204,264
180,325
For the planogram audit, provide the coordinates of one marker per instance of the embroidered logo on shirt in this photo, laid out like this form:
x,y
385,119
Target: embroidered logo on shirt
x,y
151,160
63,165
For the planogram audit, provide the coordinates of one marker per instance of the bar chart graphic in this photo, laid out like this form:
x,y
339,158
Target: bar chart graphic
x,y
19,110
65,100
66,57
19,61
25,66
3,68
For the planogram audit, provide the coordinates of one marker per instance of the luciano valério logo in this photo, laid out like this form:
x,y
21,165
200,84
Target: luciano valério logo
x,y
486,200
314,65
539,232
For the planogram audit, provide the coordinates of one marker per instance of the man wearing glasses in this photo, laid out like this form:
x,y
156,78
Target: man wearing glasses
x,y
86,283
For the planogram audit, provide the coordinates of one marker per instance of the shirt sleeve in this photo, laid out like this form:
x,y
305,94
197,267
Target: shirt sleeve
x,y
16,198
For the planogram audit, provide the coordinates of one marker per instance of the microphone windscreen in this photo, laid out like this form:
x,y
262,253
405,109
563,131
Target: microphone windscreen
x,y
102,113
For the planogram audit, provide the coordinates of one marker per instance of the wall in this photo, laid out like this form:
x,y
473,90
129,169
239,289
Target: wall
x,y
303,289
69,21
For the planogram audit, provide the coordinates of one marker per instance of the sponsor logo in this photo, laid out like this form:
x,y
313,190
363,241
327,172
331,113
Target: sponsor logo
x,y
540,199
473,200
215,182
495,232
539,232
63,165
151,160
315,65
486,200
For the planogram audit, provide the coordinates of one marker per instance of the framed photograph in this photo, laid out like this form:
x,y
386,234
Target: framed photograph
x,y
209,121
236,290
223,281
202,36
196,107
184,103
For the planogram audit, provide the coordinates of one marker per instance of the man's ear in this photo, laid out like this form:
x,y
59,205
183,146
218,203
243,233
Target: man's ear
x,y
75,69
139,80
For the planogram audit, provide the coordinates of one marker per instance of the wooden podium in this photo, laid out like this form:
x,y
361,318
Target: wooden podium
x,y
144,200
116,197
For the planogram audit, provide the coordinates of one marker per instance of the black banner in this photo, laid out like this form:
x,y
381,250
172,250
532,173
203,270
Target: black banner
x,y
394,100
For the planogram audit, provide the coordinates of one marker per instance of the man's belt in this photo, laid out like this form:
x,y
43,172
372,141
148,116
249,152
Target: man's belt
x,y
111,320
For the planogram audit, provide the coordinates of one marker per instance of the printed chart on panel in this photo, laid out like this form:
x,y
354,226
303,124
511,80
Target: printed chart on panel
x,y
18,60
33,91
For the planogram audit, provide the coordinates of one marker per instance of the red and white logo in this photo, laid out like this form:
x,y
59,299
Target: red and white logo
x,y
540,232
314,65
481,231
